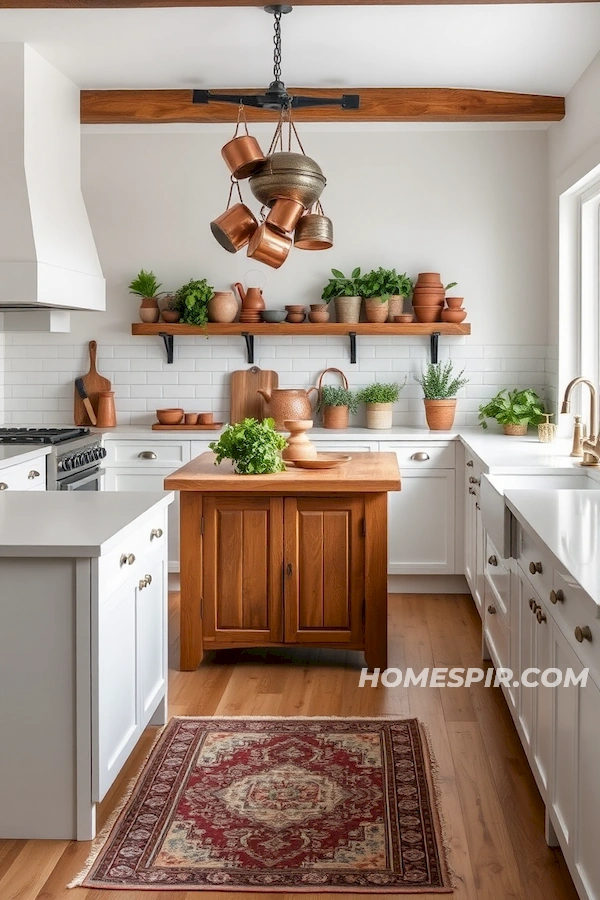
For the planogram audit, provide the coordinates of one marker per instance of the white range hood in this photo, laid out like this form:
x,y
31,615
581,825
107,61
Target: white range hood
x,y
48,258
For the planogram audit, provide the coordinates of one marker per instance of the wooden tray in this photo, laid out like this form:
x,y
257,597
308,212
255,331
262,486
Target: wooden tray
x,y
322,461
213,427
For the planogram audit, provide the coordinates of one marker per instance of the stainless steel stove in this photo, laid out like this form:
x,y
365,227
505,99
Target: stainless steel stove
x,y
74,461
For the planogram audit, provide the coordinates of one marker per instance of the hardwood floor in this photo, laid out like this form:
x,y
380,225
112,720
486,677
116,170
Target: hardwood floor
x,y
495,817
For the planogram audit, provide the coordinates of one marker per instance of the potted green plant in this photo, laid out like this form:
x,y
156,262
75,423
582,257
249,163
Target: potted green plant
x,y
515,410
440,387
254,447
379,399
346,294
384,291
193,299
146,286
171,311
335,404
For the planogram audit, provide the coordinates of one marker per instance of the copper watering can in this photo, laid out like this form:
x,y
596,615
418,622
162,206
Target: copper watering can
x,y
287,403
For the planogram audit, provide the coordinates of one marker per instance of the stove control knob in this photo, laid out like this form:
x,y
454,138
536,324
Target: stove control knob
x,y
65,464
103,452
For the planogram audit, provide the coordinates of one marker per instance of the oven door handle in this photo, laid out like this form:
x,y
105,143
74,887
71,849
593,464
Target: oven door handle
x,y
72,484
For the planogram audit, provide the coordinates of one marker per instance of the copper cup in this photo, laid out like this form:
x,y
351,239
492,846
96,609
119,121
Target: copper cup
x,y
243,156
269,246
285,215
314,232
234,228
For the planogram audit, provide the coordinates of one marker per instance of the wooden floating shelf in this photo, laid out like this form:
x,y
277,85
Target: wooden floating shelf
x,y
168,331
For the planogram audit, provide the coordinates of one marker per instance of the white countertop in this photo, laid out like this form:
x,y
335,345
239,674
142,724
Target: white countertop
x,y
567,523
73,524
10,454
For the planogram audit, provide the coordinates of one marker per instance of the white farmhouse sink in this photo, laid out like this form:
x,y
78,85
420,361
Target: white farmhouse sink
x,y
495,516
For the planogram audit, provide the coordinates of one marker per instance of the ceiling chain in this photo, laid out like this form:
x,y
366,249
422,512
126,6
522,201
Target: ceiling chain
x,y
277,43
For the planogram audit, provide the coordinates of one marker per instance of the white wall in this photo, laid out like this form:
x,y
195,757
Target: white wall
x,y
469,203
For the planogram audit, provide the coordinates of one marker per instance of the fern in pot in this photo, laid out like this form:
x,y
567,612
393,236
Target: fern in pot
x,y
379,399
440,387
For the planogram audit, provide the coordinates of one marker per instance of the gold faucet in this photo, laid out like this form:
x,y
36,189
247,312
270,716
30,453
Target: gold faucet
x,y
591,446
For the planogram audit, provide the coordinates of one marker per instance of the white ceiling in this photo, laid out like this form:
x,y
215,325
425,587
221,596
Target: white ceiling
x,y
539,48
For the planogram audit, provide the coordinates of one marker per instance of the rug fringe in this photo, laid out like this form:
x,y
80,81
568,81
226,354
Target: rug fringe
x,y
435,777
101,838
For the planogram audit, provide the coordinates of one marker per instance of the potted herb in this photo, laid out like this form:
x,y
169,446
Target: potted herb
x,y
193,299
254,447
146,286
384,291
335,404
515,410
379,399
171,311
346,293
440,387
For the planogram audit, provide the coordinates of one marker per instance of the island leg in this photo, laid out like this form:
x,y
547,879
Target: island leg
x,y
190,612
376,512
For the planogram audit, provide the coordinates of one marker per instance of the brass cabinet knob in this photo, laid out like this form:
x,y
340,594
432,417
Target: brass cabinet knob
x,y
540,616
421,456
473,480
583,634
470,463
472,490
147,454
557,597
127,559
491,609
3,486
533,606
33,474
148,579
156,533
535,567
493,560
477,506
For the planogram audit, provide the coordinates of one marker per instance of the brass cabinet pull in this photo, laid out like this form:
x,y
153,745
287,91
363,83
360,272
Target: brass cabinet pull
x,y
156,533
557,597
472,490
533,606
143,584
33,474
491,609
477,506
583,634
3,486
148,579
540,616
470,463
535,567
421,456
127,559
493,560
473,480
147,454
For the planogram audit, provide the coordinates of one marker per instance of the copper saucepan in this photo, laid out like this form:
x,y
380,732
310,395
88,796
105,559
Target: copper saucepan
x,y
269,246
234,228
243,156
285,215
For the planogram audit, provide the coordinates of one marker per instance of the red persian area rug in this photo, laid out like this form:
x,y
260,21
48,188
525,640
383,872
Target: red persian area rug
x,y
280,804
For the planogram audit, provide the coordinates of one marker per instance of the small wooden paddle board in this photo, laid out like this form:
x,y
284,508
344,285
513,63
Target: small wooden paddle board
x,y
245,402
93,383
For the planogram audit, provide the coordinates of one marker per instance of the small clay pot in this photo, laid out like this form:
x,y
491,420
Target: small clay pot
x,y
454,315
319,316
172,416
376,309
191,418
454,302
149,311
295,318
294,308
404,319
171,315
429,278
206,418
440,414
427,313
222,307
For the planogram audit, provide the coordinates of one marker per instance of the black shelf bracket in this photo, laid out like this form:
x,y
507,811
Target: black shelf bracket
x,y
249,338
169,342
434,341
352,336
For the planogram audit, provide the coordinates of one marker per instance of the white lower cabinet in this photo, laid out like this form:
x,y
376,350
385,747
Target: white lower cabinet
x,y
24,476
474,535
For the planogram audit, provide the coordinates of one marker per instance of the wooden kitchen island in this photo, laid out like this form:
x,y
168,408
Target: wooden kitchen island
x,y
298,557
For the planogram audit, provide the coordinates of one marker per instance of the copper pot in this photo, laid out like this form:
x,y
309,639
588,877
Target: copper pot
x,y
234,228
285,215
269,246
243,156
314,232
290,175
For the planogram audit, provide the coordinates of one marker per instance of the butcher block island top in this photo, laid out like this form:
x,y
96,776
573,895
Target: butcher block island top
x,y
294,558
364,473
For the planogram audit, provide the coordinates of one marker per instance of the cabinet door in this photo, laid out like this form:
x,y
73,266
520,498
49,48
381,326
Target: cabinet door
x,y
421,523
587,798
242,569
562,800
133,480
115,695
543,701
324,570
527,623
479,572
151,634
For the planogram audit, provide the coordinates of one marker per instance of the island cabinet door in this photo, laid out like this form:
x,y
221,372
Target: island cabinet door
x,y
243,569
324,570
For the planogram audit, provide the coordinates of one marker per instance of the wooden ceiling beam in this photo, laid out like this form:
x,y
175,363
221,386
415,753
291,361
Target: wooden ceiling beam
x,y
141,4
376,105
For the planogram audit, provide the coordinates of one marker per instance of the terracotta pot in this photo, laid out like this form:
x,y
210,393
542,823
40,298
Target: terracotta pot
x,y
320,316
454,315
376,309
404,319
395,306
234,228
222,307
335,416
269,246
243,156
347,309
429,278
170,316
427,313
454,302
515,430
106,416
172,416
440,414
295,318
295,308
191,418
287,403
426,297
379,415
149,311
252,301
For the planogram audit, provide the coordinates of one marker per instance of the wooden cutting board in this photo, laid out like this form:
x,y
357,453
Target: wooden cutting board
x,y
245,402
93,383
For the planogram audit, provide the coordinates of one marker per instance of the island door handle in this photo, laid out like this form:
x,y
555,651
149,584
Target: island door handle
x,y
583,634
127,559
533,606
421,456
535,567
156,533
540,616
557,597
147,454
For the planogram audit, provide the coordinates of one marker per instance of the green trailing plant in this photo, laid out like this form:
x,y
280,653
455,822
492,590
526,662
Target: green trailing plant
x,y
193,300
254,447
145,284
334,395
513,408
439,382
380,393
385,283
340,286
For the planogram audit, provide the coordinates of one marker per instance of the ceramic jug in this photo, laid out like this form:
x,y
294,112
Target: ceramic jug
x,y
287,403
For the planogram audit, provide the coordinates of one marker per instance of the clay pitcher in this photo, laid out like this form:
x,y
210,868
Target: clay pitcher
x,y
222,307
252,303
287,403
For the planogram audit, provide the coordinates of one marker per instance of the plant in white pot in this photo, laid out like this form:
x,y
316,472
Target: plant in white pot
x,y
346,293
440,387
379,399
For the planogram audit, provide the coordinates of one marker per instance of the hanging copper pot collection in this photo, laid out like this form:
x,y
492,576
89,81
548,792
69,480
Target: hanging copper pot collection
x,y
287,184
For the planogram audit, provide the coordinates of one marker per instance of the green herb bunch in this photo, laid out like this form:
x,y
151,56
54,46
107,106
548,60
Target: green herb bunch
x,y
254,447
385,283
380,393
438,382
333,395
145,284
193,300
340,286
513,408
